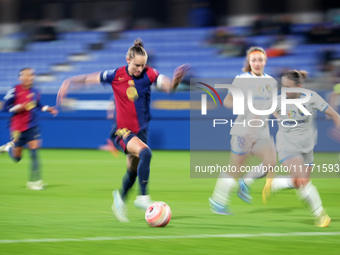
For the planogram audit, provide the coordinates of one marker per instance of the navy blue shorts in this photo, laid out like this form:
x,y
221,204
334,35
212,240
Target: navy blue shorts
x,y
121,137
20,139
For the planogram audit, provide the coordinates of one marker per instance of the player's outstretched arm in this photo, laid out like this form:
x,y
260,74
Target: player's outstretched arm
x,y
52,110
84,79
334,115
228,101
168,84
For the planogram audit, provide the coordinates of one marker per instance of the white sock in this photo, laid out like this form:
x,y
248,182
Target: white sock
x,y
223,188
257,173
8,146
280,182
310,195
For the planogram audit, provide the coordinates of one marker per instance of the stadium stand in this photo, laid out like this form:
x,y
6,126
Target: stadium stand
x,y
73,53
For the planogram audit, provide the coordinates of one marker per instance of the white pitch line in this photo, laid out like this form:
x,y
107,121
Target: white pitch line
x,y
91,239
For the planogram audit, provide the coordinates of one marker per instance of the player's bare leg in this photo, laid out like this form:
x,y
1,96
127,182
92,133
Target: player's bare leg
x,y
267,153
308,193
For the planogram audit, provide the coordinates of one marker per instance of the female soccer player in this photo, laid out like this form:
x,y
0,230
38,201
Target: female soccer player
x,y
24,102
295,143
131,87
247,140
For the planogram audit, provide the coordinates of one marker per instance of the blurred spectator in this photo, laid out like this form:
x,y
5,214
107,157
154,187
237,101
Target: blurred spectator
x,y
318,34
227,43
29,29
329,66
149,14
272,25
220,35
201,14
327,55
285,24
335,33
46,31
324,33
93,24
68,25
280,47
260,25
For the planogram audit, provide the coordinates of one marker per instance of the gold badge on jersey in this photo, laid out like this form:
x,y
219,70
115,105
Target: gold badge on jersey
x,y
123,132
29,106
131,91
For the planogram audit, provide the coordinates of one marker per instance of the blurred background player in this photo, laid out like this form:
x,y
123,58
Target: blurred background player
x,y
246,140
334,97
334,101
131,87
23,101
295,146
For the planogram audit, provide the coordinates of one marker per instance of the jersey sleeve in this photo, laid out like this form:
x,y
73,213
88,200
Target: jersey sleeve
x,y
9,99
318,102
39,105
152,74
236,82
106,77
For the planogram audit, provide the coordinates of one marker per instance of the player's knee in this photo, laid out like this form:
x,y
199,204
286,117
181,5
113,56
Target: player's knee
x,y
145,153
270,162
132,173
300,182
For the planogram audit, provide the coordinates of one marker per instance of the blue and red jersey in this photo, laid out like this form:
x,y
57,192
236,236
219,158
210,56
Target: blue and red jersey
x,y
30,97
132,96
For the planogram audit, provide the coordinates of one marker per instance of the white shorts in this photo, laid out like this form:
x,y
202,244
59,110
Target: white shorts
x,y
308,157
242,145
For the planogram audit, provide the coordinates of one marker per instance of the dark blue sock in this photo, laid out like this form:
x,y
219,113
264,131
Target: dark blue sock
x,y
143,169
10,153
35,169
128,180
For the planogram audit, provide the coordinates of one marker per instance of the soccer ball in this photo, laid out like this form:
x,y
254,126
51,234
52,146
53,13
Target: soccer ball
x,y
158,214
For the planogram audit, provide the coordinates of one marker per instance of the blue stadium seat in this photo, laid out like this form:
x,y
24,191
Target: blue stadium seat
x,y
168,48
85,36
70,47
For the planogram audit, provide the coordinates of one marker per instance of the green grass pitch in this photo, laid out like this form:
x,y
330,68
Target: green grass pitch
x,y
77,205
